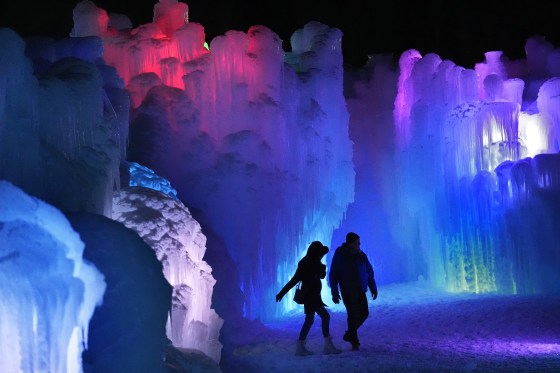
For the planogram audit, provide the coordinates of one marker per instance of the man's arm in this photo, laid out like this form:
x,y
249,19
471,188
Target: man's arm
x,y
371,280
334,277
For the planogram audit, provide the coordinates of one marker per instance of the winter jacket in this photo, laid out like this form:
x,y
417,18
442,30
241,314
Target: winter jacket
x,y
309,271
352,271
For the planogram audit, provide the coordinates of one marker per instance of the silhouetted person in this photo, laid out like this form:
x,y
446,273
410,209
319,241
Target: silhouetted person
x,y
310,271
352,272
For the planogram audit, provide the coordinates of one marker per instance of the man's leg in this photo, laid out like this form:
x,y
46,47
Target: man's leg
x,y
351,302
362,309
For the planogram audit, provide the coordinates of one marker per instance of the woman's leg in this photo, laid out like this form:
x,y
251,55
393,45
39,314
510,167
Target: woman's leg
x,y
309,316
325,320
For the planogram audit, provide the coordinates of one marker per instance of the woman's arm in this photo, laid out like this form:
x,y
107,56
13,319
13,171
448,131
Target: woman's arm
x,y
290,284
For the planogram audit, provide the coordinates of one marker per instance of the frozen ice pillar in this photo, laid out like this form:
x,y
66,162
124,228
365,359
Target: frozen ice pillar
x,y
168,227
48,292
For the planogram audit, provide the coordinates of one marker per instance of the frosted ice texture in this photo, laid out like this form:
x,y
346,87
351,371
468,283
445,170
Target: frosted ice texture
x,y
170,15
168,227
474,165
49,292
258,139
258,144
145,177
162,47
468,167
72,116
89,20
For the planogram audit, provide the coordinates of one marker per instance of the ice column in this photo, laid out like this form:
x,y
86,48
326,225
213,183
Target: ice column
x,y
258,141
170,15
166,225
63,128
548,103
478,163
162,47
89,20
48,291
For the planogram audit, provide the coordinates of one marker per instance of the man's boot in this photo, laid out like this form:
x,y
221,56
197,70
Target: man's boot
x,y
355,342
301,350
329,348
352,338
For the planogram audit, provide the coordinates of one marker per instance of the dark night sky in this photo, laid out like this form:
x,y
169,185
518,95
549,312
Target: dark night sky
x,y
458,30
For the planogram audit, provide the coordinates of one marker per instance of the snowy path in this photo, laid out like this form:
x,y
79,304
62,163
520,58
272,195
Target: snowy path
x,y
415,329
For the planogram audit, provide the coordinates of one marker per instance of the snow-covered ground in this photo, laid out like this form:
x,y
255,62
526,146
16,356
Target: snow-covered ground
x,y
414,328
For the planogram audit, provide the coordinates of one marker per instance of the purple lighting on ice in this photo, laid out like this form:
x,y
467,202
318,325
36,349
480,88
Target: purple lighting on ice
x,y
504,347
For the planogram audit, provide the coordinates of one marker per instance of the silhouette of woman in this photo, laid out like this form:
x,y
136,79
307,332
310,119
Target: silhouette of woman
x,y
310,272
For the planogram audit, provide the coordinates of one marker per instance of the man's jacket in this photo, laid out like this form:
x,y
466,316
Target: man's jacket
x,y
351,271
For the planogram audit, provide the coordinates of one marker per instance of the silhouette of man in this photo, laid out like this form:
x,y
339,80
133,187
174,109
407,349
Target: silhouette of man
x,y
352,272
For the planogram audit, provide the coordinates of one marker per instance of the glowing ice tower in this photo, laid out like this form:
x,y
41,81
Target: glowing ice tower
x,y
276,150
255,139
462,136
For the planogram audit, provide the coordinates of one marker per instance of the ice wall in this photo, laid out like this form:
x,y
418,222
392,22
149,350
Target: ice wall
x,y
168,227
476,151
127,332
45,286
163,47
370,94
255,137
63,121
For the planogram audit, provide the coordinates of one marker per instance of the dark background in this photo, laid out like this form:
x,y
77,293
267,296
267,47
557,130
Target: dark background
x,y
458,30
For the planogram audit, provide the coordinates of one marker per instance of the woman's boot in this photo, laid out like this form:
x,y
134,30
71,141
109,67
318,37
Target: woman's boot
x,y
301,350
329,347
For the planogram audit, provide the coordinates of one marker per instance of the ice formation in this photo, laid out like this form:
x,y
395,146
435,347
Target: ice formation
x,y
74,122
229,129
126,333
448,173
476,165
235,107
246,117
49,292
145,177
168,227
72,116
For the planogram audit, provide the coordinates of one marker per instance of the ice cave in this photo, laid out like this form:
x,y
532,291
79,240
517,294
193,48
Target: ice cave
x,y
184,178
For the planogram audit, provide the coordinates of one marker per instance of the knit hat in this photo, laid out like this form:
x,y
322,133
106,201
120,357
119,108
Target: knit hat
x,y
351,237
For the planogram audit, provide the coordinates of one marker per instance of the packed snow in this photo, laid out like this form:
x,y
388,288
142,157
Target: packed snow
x,y
413,327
